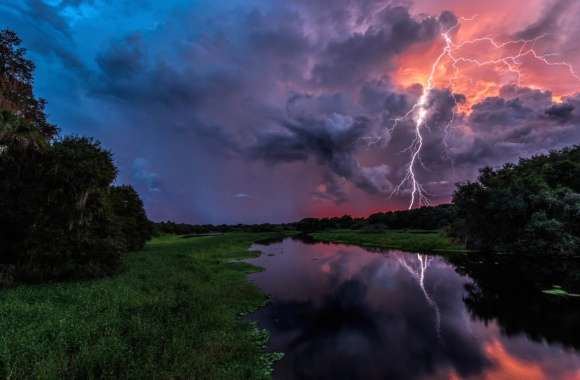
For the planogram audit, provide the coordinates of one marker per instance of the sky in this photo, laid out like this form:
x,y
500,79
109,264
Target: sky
x,y
250,111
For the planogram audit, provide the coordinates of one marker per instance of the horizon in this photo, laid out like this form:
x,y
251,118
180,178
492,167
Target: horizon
x,y
258,112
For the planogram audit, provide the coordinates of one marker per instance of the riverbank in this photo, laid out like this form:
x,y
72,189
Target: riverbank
x,y
174,312
406,240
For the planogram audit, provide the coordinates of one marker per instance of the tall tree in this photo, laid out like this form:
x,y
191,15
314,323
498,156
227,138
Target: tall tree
x,y
16,84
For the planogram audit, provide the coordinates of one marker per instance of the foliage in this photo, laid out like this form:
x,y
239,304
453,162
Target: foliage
x,y
74,235
310,225
533,206
173,313
60,217
21,146
424,218
169,227
16,84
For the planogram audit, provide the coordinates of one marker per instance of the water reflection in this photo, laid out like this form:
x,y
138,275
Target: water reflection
x,y
423,263
509,291
343,312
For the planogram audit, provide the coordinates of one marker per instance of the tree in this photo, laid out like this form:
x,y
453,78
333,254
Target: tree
x,y
74,233
22,149
19,134
133,226
16,85
77,169
533,206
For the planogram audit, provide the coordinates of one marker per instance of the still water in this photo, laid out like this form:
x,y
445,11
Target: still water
x,y
345,312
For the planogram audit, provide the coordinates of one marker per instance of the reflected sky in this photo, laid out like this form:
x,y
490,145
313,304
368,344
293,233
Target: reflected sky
x,y
344,312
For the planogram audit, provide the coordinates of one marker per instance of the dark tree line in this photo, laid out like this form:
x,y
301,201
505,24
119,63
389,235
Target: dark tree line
x,y
169,227
61,217
426,218
309,225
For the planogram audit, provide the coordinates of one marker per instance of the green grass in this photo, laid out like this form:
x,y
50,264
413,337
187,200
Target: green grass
x,y
173,313
416,241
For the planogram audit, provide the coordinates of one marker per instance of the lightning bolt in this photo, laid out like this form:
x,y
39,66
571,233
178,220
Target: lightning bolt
x,y
419,112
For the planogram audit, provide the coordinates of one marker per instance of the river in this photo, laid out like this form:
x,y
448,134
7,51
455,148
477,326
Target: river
x,y
346,312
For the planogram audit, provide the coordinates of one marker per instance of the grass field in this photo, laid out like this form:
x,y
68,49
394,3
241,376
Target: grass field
x,y
173,313
416,241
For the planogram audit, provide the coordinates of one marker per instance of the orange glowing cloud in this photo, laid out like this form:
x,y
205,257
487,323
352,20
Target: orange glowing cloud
x,y
486,55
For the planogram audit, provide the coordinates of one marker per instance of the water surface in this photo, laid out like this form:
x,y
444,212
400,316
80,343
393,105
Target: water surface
x,y
344,312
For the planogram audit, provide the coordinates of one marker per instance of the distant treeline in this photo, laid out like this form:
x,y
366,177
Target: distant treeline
x,y
192,229
61,218
425,218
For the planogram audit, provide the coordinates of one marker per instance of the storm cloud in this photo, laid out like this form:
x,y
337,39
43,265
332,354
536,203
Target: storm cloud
x,y
289,103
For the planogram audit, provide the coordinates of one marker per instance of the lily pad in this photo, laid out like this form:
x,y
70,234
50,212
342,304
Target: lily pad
x,y
558,291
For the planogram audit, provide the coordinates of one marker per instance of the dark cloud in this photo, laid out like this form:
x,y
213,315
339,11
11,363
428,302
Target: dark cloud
x,y
123,58
331,141
495,113
331,190
44,31
378,97
522,123
447,20
345,61
561,112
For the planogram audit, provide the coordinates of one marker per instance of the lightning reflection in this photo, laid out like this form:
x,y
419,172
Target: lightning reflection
x,y
418,272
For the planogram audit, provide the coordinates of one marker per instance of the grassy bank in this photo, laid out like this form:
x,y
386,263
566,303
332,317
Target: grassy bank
x,y
173,313
416,241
